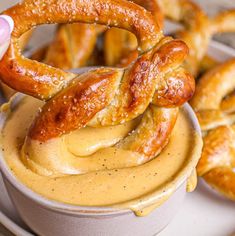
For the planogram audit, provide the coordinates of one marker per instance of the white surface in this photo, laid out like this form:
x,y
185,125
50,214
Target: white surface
x,y
204,212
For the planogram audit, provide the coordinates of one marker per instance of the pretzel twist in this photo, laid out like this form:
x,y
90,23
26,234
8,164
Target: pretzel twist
x,y
214,107
104,96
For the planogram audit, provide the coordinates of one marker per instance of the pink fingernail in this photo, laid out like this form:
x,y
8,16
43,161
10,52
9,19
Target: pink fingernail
x,y
6,27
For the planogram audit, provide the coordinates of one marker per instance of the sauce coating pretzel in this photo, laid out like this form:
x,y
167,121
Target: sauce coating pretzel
x,y
214,107
104,96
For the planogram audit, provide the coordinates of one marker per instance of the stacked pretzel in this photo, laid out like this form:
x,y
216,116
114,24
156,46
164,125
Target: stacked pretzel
x,y
214,105
154,84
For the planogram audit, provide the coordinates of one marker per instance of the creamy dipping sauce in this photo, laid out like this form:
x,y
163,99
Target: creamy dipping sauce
x,y
94,176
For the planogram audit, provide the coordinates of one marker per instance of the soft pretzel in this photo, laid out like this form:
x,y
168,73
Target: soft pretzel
x,y
213,103
209,96
218,160
104,96
122,101
223,22
71,47
198,28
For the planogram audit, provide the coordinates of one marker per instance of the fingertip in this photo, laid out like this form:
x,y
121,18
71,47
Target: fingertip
x,y
9,20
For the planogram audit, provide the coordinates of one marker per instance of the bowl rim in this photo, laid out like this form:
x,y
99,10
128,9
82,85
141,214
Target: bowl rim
x,y
67,208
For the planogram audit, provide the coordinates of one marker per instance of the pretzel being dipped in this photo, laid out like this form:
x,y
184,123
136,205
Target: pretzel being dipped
x,y
44,81
214,106
104,96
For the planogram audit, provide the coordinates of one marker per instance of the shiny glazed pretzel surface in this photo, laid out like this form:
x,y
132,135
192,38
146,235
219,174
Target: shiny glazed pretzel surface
x,y
154,85
214,105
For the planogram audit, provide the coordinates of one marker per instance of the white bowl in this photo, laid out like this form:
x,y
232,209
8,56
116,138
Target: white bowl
x,y
47,217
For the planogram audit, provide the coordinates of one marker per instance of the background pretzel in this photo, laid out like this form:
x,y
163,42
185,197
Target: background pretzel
x,y
72,46
104,96
198,28
214,107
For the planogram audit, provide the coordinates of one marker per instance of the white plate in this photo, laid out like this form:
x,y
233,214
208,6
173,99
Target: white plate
x,y
204,212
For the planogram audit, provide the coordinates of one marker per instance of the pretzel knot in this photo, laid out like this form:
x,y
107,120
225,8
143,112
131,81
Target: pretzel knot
x,y
153,85
214,105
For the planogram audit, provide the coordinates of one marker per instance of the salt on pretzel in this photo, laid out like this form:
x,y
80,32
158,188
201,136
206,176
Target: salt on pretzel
x,y
120,49
217,119
104,96
120,45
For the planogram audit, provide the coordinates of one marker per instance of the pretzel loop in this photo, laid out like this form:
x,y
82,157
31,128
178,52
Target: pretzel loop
x,y
42,81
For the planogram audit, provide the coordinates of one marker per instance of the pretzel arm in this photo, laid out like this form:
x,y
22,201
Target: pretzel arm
x,y
222,179
213,86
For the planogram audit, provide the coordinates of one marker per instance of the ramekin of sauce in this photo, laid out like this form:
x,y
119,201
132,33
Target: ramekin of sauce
x,y
126,199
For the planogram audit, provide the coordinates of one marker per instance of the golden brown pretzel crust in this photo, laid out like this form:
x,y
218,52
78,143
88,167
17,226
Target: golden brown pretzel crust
x,y
105,96
7,91
130,94
213,111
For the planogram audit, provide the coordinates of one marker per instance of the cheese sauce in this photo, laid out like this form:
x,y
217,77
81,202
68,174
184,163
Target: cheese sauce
x,y
84,168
